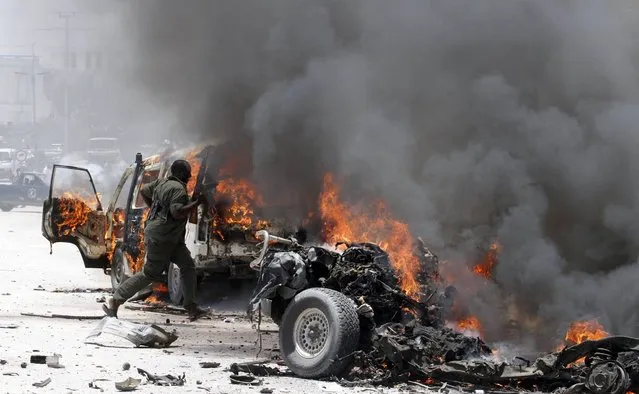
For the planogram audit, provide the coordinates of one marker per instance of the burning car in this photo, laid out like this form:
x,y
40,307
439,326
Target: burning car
x,y
342,314
219,236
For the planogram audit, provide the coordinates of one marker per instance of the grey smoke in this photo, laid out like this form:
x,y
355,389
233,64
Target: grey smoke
x,y
474,120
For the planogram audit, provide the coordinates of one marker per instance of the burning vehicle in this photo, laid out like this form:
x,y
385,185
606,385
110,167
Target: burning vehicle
x,y
220,236
344,314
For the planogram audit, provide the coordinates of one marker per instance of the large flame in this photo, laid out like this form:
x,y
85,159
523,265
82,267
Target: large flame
x,y
240,212
485,267
344,223
581,331
74,212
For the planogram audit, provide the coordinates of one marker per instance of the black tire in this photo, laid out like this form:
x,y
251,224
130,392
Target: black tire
x,y
118,271
176,293
332,316
6,207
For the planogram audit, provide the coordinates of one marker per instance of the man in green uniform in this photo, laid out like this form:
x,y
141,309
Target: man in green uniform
x,y
164,234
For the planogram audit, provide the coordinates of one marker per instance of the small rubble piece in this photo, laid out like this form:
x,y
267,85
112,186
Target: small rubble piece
x,y
92,385
81,290
163,380
42,383
256,368
23,365
100,300
10,374
51,361
266,390
209,364
128,385
247,380
9,325
126,366
54,362
138,334
3,362
229,320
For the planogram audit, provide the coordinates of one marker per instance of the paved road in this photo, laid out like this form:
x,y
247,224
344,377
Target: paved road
x,y
29,274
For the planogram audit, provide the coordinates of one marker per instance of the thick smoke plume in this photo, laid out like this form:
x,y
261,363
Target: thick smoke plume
x,y
474,120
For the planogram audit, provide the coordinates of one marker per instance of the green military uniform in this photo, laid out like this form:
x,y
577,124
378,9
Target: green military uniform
x,y
164,241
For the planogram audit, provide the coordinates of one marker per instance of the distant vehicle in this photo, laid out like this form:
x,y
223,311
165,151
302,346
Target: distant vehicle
x,y
8,165
29,189
104,151
119,250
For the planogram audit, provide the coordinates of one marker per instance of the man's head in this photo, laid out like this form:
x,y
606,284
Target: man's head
x,y
181,169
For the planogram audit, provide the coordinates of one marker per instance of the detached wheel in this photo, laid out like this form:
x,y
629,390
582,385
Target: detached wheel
x,y
319,332
118,269
175,284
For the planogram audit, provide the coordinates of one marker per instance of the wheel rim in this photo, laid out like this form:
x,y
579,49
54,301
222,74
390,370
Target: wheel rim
x,y
311,332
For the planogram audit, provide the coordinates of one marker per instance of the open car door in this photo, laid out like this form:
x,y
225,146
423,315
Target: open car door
x,y
73,213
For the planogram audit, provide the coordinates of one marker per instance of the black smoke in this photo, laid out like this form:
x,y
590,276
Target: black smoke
x,y
474,120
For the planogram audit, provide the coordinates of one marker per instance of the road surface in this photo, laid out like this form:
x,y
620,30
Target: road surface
x,y
30,278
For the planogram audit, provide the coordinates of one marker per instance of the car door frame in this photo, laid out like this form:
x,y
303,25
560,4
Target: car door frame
x,y
91,259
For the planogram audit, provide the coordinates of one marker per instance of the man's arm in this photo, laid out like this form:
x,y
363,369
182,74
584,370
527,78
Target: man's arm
x,y
147,192
180,207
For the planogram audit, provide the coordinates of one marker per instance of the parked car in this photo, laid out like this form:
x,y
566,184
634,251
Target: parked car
x,y
29,188
111,237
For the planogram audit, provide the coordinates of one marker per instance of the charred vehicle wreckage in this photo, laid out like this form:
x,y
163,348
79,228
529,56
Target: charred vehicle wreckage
x,y
344,316
220,235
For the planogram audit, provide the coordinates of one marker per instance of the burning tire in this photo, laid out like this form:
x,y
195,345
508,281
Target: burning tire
x,y
118,269
319,333
175,284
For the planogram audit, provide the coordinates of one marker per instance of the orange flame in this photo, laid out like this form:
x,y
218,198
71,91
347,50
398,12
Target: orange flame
x,y
136,264
118,222
73,212
243,198
469,324
196,165
485,268
342,223
581,331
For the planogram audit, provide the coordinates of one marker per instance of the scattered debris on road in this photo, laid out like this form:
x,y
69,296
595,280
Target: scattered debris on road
x,y
246,380
163,380
129,384
209,364
42,383
257,368
138,334
63,316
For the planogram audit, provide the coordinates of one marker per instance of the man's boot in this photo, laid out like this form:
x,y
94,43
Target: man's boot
x,y
110,307
195,311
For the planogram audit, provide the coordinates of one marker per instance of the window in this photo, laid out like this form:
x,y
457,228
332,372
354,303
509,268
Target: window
x,y
124,193
147,177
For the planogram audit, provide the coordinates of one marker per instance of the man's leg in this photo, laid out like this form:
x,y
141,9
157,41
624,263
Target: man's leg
x,y
157,259
182,258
